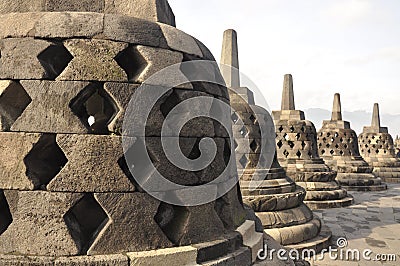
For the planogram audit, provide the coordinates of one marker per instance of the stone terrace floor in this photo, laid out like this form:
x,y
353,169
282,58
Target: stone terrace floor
x,y
373,222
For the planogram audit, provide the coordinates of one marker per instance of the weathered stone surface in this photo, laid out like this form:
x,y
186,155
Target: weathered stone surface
x,y
19,170
20,58
40,114
180,41
287,94
38,226
13,101
17,260
133,30
284,218
154,10
170,256
94,60
64,24
157,59
93,165
101,260
128,229
169,170
230,59
251,238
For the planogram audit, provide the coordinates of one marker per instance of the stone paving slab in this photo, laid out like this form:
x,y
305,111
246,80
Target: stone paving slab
x,y
373,222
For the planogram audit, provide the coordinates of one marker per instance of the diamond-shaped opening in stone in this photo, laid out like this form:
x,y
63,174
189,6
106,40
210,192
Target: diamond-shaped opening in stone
x,y
85,220
95,108
298,154
139,166
280,128
291,144
332,152
298,135
279,144
243,161
5,213
44,161
172,220
328,134
235,117
322,151
54,59
243,131
286,137
227,151
13,101
286,153
132,62
337,146
303,145
292,129
341,152
253,145
169,103
236,144
253,118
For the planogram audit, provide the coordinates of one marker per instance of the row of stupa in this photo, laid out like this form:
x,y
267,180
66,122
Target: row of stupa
x,y
306,169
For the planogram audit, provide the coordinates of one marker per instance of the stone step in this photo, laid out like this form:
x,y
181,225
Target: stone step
x,y
241,257
285,218
319,186
366,188
275,202
296,234
327,204
322,241
251,238
392,180
326,195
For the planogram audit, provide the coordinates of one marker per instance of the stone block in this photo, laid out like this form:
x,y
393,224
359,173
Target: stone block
x,y
129,229
65,24
94,60
39,227
171,256
154,10
13,101
31,59
28,160
134,31
17,260
101,260
95,164
180,41
47,96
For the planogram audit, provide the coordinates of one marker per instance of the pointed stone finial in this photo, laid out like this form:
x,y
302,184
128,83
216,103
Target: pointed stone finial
x,y
230,59
288,94
337,108
376,119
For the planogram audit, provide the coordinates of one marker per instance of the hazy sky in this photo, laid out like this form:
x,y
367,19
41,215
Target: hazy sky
x,y
346,46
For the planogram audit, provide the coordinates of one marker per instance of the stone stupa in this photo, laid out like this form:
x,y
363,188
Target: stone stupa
x,y
338,146
397,146
296,142
68,70
276,199
377,148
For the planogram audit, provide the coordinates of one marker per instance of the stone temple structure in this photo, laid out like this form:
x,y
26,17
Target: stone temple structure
x,y
296,142
276,199
397,146
68,70
377,148
338,146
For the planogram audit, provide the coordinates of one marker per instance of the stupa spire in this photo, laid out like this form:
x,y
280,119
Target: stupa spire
x,y
230,59
337,108
376,119
288,94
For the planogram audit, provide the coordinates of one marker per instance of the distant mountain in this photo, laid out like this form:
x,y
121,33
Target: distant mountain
x,y
357,119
